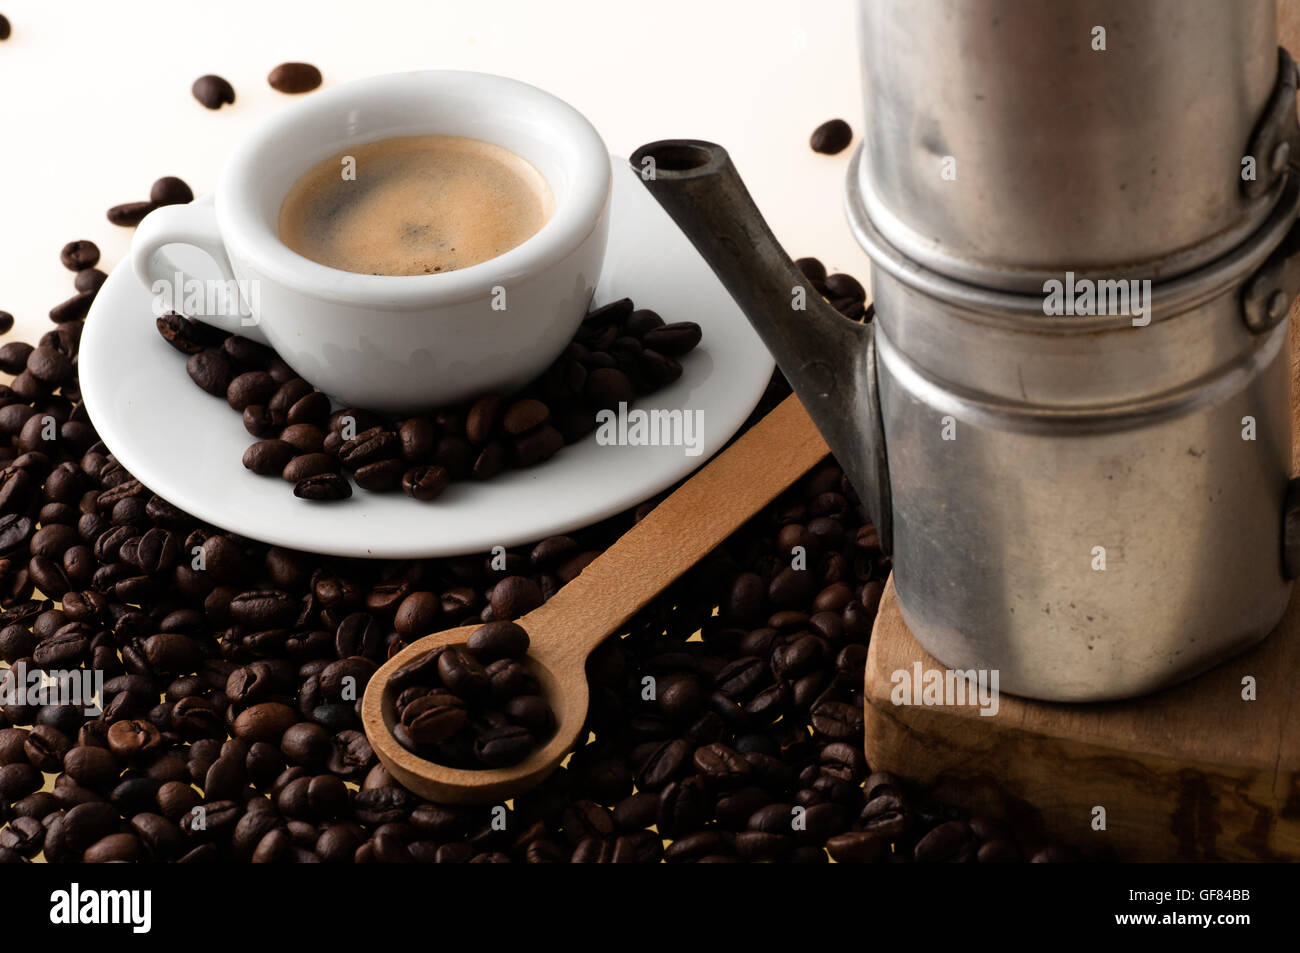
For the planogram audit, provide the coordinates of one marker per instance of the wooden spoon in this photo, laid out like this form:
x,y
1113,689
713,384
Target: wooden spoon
x,y
679,532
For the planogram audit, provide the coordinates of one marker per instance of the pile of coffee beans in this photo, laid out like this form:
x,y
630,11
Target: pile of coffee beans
x,y
619,353
475,705
725,723
844,292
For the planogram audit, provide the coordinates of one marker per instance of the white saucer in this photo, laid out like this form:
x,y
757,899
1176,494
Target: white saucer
x,y
186,445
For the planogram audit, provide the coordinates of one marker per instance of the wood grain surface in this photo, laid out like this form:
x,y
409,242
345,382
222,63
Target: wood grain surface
x,y
1191,773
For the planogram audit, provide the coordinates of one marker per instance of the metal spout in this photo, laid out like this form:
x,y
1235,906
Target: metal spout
x,y
828,359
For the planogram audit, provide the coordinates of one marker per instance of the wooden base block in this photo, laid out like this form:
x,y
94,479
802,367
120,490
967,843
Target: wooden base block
x,y
1195,772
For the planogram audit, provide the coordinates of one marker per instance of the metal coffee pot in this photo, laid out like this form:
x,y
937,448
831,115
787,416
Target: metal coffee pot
x,y
1096,505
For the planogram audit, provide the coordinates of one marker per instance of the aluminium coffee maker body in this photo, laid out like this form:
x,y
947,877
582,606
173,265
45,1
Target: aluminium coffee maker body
x,y
1088,488
1088,493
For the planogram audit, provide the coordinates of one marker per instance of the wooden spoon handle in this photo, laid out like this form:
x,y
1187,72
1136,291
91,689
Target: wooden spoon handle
x,y
682,529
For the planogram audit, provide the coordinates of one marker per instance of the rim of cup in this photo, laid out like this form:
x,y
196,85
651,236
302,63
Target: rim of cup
x,y
564,145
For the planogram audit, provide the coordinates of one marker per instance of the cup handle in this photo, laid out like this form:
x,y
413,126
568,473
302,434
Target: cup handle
x,y
193,224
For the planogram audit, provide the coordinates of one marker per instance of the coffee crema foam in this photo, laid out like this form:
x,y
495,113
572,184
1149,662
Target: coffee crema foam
x,y
417,205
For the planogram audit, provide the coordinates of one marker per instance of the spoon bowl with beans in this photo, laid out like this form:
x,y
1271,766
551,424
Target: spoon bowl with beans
x,y
562,632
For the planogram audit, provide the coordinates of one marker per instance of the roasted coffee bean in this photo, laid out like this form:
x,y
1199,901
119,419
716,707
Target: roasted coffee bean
x,y
18,780
171,653
667,761
129,214
264,609
514,596
537,445
79,255
481,420
133,738
184,335
12,745
50,365
161,838
490,461
523,415
89,280
674,340
433,719
83,825
13,356
636,812
25,835
213,91
382,476
346,679
831,137
504,746
211,371
248,355
250,387
417,438
170,190
66,648
812,268
532,712
358,635
838,721
6,30
323,487
267,721
351,756
462,673
73,309
425,482
498,640
45,747
308,465
294,78
684,806
16,642
304,438
260,422
369,446
845,286
607,387
858,847
312,408
306,744
417,613
157,551
15,530
949,841
91,766
723,766
268,456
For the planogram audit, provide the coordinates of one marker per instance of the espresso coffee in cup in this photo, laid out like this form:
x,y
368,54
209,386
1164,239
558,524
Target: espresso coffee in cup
x,y
534,181
415,205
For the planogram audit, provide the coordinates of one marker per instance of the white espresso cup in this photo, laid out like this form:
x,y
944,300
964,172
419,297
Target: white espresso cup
x,y
405,342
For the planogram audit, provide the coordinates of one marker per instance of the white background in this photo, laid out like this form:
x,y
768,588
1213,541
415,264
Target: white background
x,y
95,98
